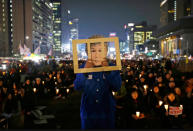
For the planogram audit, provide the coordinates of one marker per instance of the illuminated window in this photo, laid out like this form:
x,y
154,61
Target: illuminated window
x,y
3,10
3,19
3,14
3,25
2,5
11,19
10,10
3,30
11,5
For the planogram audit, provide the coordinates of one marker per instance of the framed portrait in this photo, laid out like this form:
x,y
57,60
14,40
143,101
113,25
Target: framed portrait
x,y
96,50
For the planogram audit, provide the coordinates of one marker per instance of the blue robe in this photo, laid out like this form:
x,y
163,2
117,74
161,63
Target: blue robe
x,y
97,103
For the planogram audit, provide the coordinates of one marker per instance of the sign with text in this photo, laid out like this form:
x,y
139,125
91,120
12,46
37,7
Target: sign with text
x,y
173,110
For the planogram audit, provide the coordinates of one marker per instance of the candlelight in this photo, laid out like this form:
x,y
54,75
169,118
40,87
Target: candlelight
x,y
126,80
140,76
67,90
145,87
34,89
113,93
137,113
160,103
55,83
57,91
19,70
43,82
166,107
54,78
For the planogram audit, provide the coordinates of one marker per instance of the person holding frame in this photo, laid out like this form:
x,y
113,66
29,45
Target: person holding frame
x,y
97,109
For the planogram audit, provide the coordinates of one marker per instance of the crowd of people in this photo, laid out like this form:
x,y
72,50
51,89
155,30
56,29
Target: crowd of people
x,y
153,93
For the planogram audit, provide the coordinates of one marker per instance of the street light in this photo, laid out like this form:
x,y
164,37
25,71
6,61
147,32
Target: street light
x,y
27,37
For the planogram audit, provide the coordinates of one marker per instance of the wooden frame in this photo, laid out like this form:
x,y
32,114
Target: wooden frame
x,y
96,69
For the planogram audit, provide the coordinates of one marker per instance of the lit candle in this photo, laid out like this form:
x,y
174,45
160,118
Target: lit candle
x,y
145,87
140,76
57,91
137,113
34,89
67,90
166,107
113,93
43,82
160,103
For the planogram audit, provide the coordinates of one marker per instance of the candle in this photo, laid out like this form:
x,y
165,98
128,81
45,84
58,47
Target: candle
x,y
166,107
34,89
137,113
113,93
67,90
57,91
145,87
160,103
140,76
43,82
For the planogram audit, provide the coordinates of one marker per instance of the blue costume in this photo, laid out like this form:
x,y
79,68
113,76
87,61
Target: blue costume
x,y
97,104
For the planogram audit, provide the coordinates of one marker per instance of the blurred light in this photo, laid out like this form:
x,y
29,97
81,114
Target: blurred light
x,y
132,29
4,67
27,37
181,38
70,22
68,11
131,24
125,26
112,49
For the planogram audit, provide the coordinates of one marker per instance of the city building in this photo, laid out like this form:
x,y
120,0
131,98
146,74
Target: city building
x,y
176,36
6,28
138,34
70,31
171,10
26,22
57,26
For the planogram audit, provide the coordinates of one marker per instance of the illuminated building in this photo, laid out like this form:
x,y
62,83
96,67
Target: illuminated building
x,y
70,31
27,22
6,28
57,30
171,10
138,34
175,36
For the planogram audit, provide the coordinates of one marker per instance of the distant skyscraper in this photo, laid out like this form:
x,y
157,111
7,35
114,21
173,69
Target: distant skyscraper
x,y
138,34
27,22
171,10
57,26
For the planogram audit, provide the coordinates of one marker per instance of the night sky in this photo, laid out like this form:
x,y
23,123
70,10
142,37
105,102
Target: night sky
x,y
104,16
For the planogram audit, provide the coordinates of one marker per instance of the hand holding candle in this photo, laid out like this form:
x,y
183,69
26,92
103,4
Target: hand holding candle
x,y
160,103
137,114
34,89
166,107
57,91
67,90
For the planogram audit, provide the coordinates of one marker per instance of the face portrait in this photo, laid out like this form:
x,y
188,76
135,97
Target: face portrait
x,y
97,55
171,97
134,95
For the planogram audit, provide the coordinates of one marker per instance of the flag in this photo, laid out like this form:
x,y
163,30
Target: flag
x,y
26,50
37,50
50,52
21,50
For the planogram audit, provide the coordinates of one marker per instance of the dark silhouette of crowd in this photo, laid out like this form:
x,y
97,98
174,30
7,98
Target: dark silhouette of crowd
x,y
150,90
